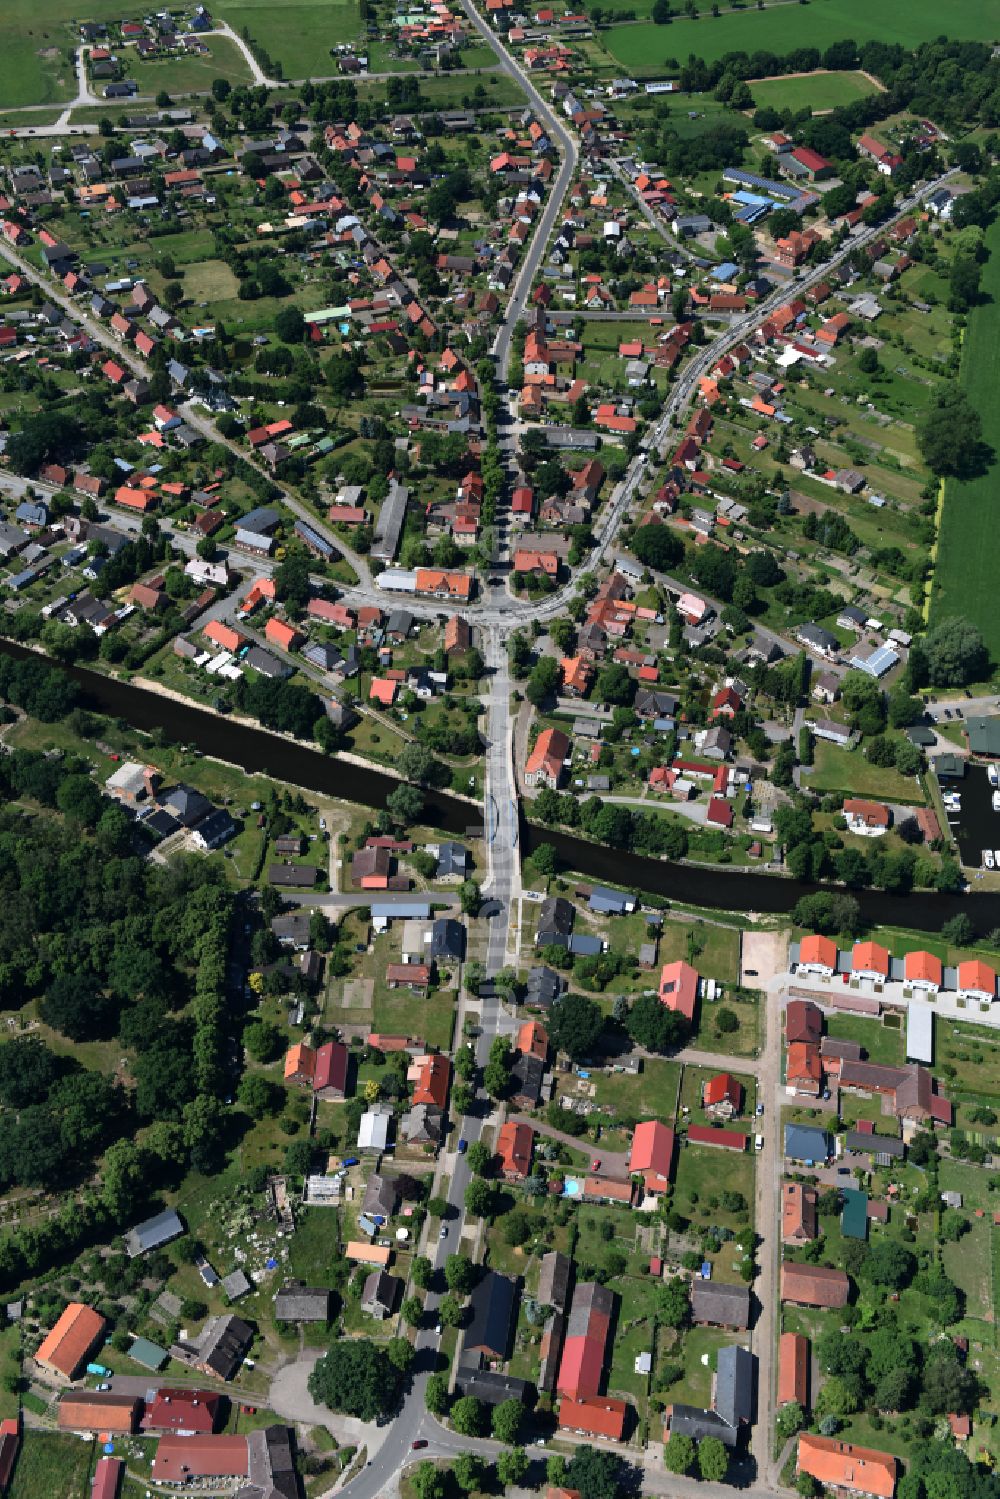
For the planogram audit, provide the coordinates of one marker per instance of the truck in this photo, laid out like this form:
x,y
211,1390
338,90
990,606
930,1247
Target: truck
x,y
758,1142
98,1369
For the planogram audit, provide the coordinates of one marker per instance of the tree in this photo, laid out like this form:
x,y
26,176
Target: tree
x,y
673,1303
868,362
790,1419
79,799
27,1071
470,896
460,1274
658,547
512,1466
450,1310
678,1453
545,859
259,1096
422,1272
950,437
468,1471
123,1177
958,930
263,1041
894,1391
507,1418
356,1378
543,681
291,579
436,1397
653,1026
468,1417
404,804
412,1311
955,654
889,1264
479,1198
75,1006
596,1473
479,1158
428,1482
173,294
614,685
713,1460
575,1024
946,1385
290,325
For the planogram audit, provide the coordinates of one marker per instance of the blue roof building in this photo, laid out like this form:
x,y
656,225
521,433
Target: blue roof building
x,y
803,1142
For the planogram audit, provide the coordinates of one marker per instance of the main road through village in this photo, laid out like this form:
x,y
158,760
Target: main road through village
x,y
495,615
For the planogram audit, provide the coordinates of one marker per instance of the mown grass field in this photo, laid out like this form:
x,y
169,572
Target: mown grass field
x,y
298,36
782,28
968,551
194,74
816,91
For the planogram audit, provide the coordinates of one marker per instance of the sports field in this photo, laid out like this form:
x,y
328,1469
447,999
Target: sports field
x,y
643,47
815,91
968,553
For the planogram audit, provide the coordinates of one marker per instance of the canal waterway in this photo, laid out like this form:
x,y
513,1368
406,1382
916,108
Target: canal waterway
x,y
256,750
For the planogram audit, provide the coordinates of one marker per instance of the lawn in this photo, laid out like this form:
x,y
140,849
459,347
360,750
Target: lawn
x,y
848,771
644,48
653,1094
50,1465
882,1044
713,950
968,549
190,74
739,1043
298,36
704,1171
816,91
969,1263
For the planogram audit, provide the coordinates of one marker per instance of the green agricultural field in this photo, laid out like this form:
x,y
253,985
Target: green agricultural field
x,y
37,39
968,550
644,47
815,91
298,36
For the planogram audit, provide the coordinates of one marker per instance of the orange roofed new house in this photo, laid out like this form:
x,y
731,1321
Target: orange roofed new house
x,y
679,988
818,955
652,1155
68,1346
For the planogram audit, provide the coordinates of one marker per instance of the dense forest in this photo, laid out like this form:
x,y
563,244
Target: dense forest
x,y
105,946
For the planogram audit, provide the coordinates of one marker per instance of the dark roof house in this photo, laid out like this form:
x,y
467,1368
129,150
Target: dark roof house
x,y
494,1309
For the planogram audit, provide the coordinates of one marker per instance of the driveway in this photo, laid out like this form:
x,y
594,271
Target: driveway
x,y
614,1163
